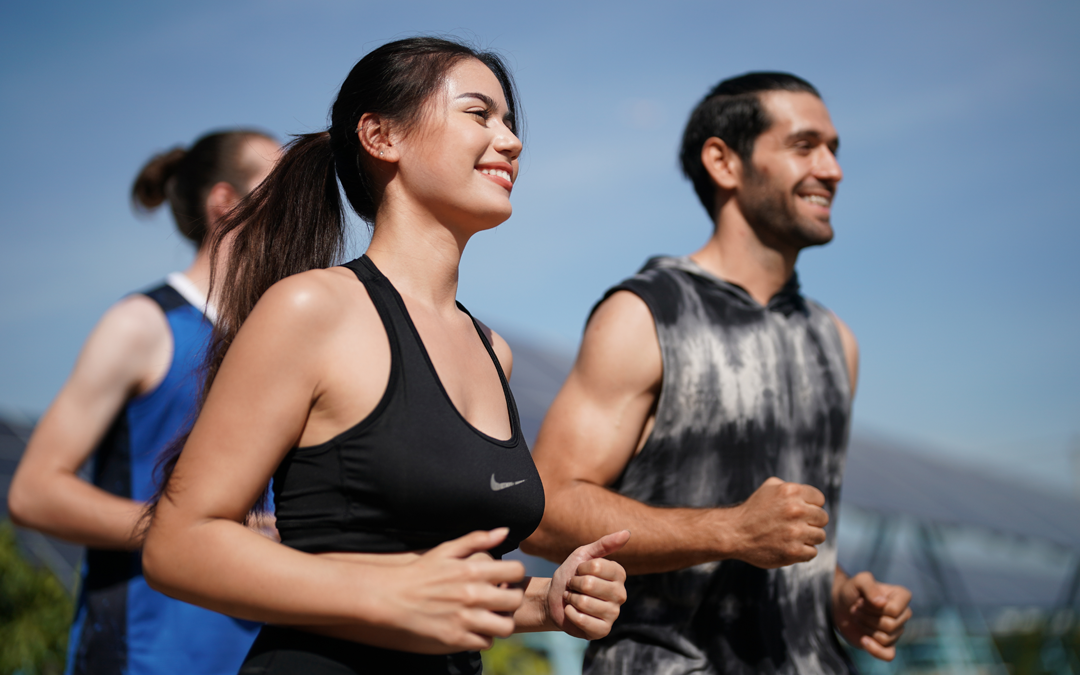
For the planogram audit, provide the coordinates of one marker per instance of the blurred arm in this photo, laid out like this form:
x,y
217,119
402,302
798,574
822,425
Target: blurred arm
x,y
127,354
869,614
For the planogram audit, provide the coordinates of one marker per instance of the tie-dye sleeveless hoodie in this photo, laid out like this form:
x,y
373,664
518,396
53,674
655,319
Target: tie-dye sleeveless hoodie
x,y
748,392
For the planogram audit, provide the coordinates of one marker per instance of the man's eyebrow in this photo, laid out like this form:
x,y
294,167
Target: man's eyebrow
x,y
814,135
488,101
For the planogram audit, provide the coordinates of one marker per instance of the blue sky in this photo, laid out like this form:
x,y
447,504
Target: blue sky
x,y
956,233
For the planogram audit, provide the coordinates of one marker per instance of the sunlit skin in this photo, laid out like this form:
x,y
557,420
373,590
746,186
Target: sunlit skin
x,y
313,359
765,214
127,354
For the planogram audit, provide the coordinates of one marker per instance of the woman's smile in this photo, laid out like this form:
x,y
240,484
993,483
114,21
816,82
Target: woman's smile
x,y
501,174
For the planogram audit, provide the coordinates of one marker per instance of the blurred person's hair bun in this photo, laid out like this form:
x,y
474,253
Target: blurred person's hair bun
x,y
148,192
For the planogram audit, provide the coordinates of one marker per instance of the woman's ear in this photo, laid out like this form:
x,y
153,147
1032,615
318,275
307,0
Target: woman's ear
x,y
376,137
723,164
219,201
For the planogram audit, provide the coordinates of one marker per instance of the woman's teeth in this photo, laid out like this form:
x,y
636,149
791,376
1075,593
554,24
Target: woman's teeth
x,y
505,175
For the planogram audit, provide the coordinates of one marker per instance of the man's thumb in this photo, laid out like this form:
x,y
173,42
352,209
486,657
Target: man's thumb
x,y
605,546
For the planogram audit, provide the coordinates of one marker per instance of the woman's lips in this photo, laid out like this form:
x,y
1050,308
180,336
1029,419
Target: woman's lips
x,y
498,174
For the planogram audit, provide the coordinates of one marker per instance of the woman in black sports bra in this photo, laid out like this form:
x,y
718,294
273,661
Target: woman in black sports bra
x,y
379,406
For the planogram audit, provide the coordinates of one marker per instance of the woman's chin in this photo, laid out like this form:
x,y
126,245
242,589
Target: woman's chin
x,y
489,220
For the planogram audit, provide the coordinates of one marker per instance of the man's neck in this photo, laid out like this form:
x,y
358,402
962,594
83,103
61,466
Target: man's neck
x,y
736,254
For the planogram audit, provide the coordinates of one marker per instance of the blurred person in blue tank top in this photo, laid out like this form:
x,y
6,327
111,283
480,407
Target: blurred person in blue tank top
x,y
134,389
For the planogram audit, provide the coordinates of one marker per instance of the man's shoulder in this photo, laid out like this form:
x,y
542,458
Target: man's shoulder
x,y
825,316
663,267
816,306
656,283
659,275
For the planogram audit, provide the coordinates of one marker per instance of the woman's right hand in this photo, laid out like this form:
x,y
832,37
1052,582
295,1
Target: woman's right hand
x,y
446,600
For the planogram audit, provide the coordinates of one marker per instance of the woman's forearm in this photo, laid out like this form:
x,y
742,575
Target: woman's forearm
x,y
533,615
221,565
442,602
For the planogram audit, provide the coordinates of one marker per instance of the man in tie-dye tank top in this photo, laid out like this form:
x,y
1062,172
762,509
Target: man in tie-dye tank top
x,y
708,413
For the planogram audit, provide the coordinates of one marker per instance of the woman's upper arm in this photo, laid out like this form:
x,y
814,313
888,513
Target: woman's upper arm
x,y
259,402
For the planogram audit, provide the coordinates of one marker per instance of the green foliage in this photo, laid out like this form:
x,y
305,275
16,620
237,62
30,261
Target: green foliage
x,y
1028,653
35,613
512,657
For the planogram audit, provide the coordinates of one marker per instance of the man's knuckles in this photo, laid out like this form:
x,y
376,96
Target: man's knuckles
x,y
790,490
585,585
594,567
795,552
794,510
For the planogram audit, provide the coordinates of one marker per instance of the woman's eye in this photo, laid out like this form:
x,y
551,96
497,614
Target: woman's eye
x,y
482,114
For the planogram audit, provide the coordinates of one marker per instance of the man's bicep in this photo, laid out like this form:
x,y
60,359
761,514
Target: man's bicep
x,y
851,351
594,426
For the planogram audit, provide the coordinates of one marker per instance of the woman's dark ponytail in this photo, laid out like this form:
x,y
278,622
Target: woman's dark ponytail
x,y
293,222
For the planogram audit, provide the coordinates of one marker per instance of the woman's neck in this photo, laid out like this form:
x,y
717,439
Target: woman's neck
x,y
199,271
421,261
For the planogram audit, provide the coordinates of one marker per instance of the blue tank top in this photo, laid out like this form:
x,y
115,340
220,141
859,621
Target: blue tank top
x,y
121,624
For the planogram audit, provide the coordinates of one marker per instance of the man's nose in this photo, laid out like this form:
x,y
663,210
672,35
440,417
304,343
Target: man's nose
x,y
827,167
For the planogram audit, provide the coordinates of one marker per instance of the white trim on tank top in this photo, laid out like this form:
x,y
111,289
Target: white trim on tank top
x,y
187,289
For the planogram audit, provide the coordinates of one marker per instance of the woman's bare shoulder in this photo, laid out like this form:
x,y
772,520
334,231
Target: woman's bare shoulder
x,y
316,300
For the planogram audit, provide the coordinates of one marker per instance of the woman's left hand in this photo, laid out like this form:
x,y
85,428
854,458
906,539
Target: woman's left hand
x,y
587,591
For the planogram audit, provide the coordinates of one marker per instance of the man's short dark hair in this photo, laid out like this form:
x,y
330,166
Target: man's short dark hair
x,y
732,112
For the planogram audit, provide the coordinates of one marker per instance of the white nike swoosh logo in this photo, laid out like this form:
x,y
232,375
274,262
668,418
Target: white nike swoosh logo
x,y
496,485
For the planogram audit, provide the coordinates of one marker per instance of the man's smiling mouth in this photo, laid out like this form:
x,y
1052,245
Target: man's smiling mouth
x,y
817,200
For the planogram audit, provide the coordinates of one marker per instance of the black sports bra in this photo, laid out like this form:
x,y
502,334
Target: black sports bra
x,y
414,473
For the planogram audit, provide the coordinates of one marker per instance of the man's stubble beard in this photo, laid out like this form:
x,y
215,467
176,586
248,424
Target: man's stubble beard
x,y
770,212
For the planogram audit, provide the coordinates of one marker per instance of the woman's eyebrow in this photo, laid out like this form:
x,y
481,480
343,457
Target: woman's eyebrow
x,y
488,101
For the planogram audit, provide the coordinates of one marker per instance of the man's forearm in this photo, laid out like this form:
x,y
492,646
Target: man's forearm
x,y
661,539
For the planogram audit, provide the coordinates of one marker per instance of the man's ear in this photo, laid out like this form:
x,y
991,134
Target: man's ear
x,y
723,164
221,199
376,138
